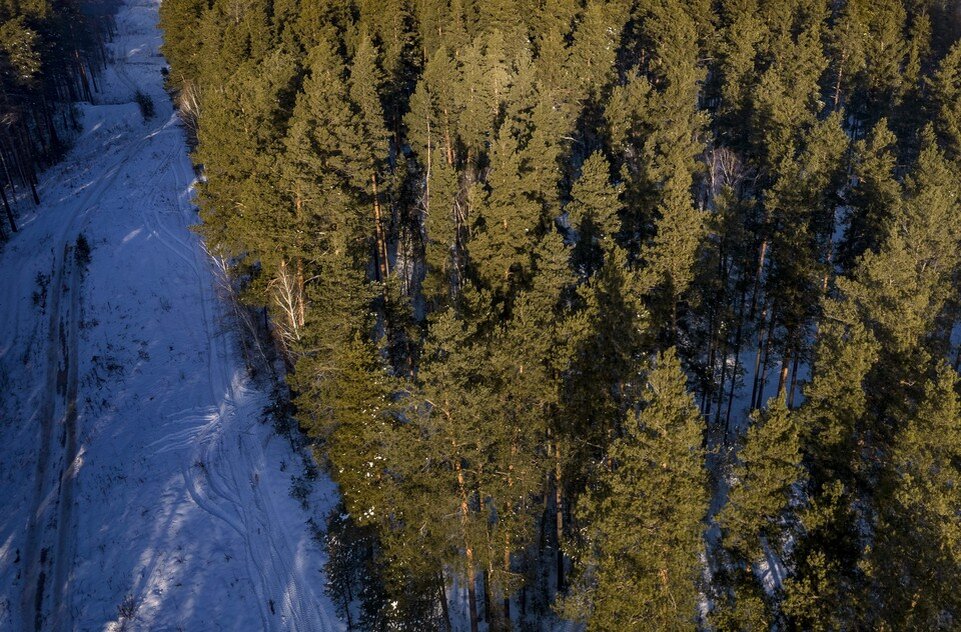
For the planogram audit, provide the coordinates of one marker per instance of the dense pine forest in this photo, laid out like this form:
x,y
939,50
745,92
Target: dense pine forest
x,y
639,313
51,52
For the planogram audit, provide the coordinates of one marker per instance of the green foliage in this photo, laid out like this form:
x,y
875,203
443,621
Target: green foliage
x,y
646,514
918,551
945,87
20,48
474,224
875,195
770,465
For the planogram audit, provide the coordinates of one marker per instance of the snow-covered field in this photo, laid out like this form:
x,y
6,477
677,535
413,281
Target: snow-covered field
x,y
140,489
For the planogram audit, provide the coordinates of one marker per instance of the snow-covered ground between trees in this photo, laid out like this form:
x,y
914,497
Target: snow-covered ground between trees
x,y
141,489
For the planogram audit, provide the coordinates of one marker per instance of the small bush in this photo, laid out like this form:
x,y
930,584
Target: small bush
x,y
40,295
127,608
146,105
82,250
300,490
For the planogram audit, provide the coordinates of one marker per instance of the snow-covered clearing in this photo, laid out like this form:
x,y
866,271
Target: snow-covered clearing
x,y
141,489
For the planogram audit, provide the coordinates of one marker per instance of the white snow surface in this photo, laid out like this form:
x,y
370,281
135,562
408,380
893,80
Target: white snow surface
x,y
141,489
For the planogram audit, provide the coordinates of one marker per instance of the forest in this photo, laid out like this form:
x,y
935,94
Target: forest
x,y
642,314
51,52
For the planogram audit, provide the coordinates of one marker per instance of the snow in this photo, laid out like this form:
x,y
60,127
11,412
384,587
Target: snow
x,y
142,489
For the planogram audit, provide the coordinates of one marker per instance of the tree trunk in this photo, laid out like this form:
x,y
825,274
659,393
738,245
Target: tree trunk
x,y
782,379
840,79
767,359
31,179
757,277
737,360
6,207
757,358
790,399
25,145
82,70
447,140
507,537
442,588
468,549
827,271
707,395
559,515
488,609
301,288
507,571
471,589
429,168
4,160
379,230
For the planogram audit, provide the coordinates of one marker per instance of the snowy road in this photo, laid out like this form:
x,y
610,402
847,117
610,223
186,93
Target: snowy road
x,y
142,490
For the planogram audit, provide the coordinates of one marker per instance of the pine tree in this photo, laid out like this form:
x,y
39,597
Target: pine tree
x,y
594,212
473,224
589,66
788,97
917,556
240,143
945,88
893,298
646,514
551,25
522,191
672,254
801,209
822,592
483,87
183,53
531,355
769,466
460,445
616,333
506,222
901,289
875,195
232,33
387,24
660,161
365,84
739,37
755,519
869,50
432,135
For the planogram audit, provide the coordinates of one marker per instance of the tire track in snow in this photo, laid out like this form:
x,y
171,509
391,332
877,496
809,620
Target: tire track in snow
x,y
288,592
208,448
64,557
37,560
229,473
